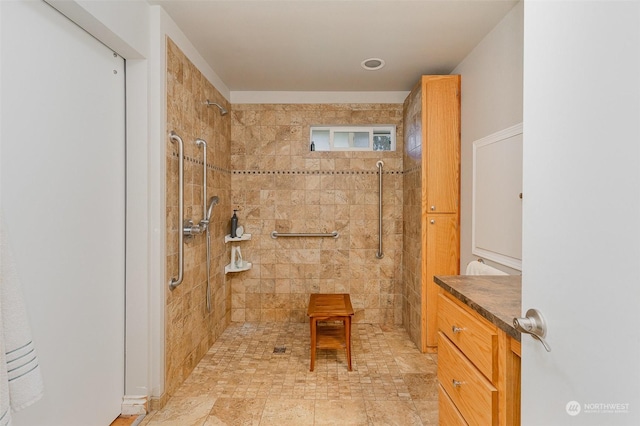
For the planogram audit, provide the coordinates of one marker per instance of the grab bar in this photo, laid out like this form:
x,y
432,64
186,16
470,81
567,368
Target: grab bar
x,y
204,222
379,254
175,282
275,234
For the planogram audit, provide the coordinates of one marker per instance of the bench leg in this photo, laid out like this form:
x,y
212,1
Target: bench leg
x,y
313,325
347,339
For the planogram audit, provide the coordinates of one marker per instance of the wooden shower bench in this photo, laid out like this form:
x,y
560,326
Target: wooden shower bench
x,y
330,307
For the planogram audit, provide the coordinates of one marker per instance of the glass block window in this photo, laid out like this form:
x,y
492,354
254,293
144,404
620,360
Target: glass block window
x,y
353,138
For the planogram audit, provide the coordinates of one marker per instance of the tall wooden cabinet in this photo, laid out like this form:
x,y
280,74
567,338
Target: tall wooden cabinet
x,y
439,149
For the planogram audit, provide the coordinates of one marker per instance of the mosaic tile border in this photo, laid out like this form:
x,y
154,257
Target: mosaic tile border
x,y
293,172
313,172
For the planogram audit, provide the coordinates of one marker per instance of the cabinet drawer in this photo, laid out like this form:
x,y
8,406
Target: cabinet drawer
x,y
474,336
448,414
474,396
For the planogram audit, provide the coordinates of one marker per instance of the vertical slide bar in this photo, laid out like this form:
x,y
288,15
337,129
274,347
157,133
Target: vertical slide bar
x,y
203,144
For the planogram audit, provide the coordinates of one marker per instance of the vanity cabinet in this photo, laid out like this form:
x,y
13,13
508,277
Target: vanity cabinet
x,y
478,368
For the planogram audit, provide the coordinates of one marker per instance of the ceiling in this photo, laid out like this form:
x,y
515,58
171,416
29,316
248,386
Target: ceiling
x,y
318,45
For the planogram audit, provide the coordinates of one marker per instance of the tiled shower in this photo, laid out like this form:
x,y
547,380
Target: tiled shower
x,y
280,185
260,163
189,328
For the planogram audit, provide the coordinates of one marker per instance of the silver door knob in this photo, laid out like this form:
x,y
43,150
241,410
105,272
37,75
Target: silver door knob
x,y
533,324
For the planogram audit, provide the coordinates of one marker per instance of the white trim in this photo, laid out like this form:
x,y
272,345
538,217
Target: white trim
x,y
129,37
135,405
500,258
157,218
248,97
171,30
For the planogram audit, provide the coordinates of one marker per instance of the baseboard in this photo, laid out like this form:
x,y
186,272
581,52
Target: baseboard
x,y
134,405
157,403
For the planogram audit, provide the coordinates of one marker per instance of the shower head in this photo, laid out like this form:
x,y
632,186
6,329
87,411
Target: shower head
x,y
212,202
223,110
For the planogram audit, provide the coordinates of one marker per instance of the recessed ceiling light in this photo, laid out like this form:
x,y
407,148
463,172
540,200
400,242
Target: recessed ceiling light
x,y
372,64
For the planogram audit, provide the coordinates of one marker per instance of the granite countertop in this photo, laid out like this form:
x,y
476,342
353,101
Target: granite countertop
x,y
498,298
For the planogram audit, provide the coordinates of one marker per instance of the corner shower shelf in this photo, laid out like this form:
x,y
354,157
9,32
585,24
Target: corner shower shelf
x,y
244,237
228,268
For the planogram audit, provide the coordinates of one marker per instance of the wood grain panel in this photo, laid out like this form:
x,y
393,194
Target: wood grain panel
x,y
448,414
440,256
441,131
475,397
476,338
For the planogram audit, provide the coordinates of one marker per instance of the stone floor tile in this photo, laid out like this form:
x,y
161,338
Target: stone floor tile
x,y
428,411
183,411
288,412
391,381
341,411
236,411
396,413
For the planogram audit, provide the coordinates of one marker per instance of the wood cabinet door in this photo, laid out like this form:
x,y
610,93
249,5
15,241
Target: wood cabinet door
x,y
440,256
441,143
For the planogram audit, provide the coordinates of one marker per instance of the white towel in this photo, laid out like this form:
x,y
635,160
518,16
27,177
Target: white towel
x,y
20,377
479,268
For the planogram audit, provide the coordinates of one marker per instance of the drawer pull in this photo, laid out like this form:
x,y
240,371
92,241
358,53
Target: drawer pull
x,y
456,329
456,383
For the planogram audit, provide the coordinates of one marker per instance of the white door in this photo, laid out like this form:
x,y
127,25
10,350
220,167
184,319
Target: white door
x,y
581,212
63,203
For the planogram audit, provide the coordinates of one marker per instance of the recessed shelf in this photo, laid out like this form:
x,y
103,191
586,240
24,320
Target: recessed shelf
x,y
228,268
244,237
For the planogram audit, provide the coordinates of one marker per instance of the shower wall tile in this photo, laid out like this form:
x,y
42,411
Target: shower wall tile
x,y
189,329
412,216
278,184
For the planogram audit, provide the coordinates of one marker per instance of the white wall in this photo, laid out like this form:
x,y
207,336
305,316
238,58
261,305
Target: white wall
x,y
491,101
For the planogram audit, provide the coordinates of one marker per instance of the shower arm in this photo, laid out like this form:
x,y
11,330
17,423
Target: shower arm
x,y
223,110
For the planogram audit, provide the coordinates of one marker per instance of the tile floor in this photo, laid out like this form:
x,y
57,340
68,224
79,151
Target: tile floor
x,y
241,381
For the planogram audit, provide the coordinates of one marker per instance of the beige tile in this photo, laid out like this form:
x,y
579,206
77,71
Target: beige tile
x,y
236,411
422,386
428,411
183,411
415,363
390,376
285,412
342,411
397,413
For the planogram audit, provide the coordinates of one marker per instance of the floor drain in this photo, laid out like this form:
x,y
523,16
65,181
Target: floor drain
x,y
279,349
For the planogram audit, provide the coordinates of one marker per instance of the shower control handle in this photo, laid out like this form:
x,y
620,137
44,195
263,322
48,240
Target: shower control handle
x,y
189,229
534,324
